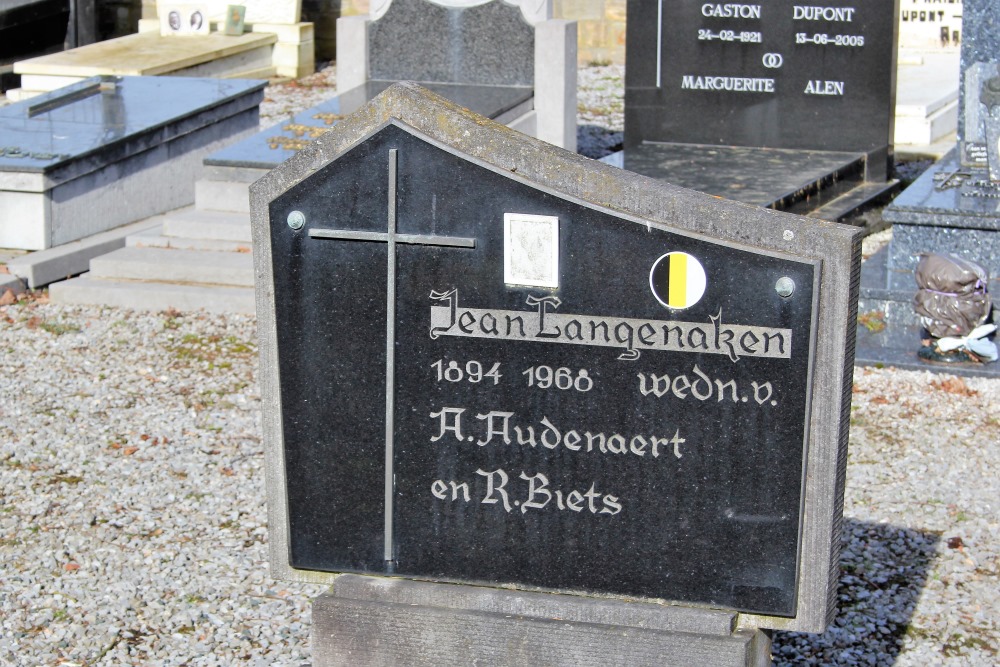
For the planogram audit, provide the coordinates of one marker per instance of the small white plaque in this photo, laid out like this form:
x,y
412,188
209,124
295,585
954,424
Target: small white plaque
x,y
531,250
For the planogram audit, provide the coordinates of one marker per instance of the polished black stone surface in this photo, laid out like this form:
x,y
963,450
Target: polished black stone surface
x,y
273,146
813,84
31,27
759,176
494,480
104,119
420,41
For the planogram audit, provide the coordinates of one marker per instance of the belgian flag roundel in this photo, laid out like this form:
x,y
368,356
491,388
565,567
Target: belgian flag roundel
x,y
677,280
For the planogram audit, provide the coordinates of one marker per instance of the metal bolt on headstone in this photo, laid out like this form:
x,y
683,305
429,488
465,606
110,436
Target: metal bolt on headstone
x,y
784,287
296,219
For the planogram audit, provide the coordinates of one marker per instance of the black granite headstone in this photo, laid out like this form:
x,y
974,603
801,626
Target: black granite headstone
x,y
490,363
634,424
771,103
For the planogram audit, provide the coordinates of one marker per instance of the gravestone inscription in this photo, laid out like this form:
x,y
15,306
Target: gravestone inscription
x,y
762,102
480,377
783,74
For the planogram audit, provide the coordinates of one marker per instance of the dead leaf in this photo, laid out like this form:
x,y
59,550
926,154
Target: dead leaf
x,y
71,567
228,472
8,298
955,543
33,322
4,270
129,451
954,385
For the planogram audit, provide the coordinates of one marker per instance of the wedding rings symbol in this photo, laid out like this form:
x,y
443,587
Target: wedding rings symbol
x,y
773,60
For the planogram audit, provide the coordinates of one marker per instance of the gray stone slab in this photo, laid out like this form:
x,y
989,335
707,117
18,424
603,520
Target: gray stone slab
x,y
980,44
417,40
86,290
180,266
38,269
199,224
658,207
12,283
672,618
355,630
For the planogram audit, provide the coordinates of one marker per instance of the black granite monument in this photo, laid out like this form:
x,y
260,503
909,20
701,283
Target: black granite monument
x,y
491,362
778,104
950,208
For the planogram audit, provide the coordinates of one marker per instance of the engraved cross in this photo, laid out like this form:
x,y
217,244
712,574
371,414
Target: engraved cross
x,y
391,237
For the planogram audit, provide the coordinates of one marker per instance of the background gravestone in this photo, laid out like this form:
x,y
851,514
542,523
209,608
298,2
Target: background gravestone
x,y
514,378
481,57
950,208
775,104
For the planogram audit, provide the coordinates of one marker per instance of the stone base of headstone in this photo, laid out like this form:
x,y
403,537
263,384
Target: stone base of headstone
x,y
948,209
378,621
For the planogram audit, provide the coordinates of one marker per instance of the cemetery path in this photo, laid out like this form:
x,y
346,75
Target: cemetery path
x,y
133,527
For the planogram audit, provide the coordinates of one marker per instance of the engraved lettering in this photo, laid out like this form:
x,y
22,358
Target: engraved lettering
x,y
492,488
465,322
464,486
455,427
733,84
730,10
814,13
540,489
451,297
701,388
630,335
550,436
491,429
824,88
488,324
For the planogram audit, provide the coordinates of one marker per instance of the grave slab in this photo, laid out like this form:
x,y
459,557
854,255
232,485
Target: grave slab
x,y
441,402
950,208
777,76
486,58
273,146
111,150
926,97
142,54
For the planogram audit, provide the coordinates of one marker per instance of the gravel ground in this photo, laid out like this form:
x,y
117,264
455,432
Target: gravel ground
x,y
132,518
